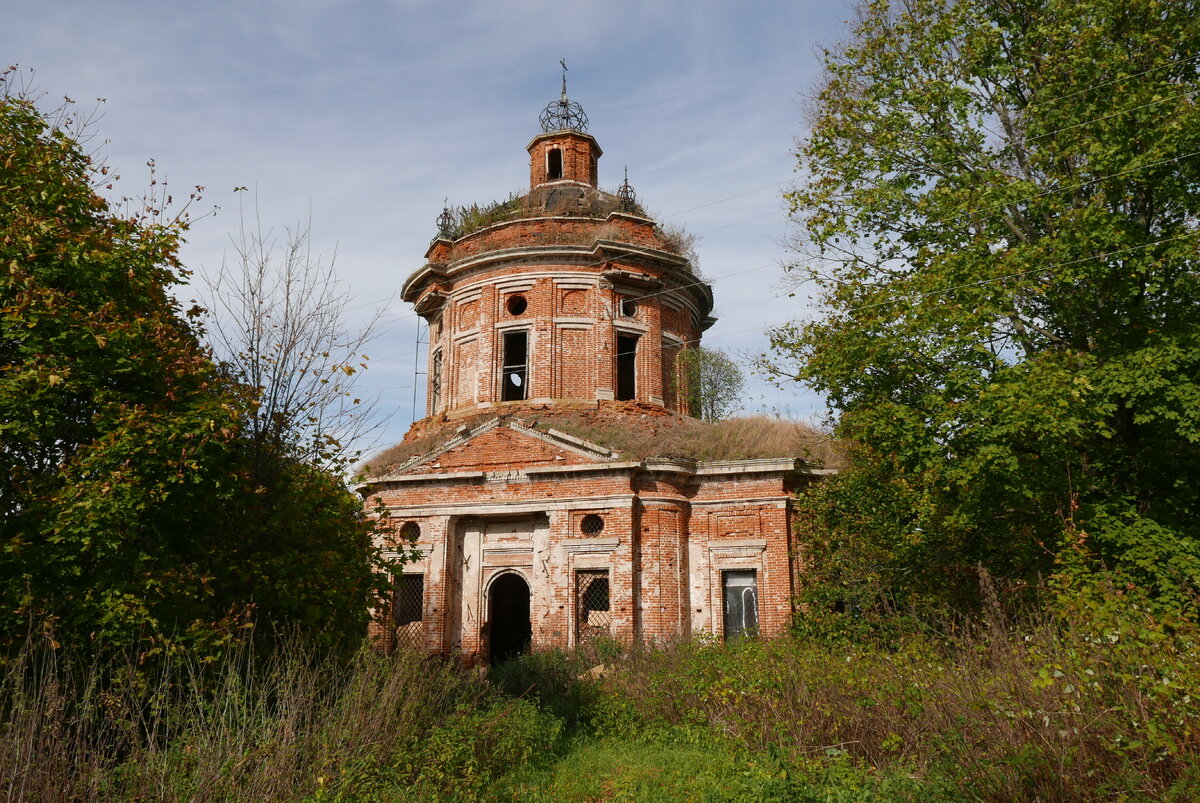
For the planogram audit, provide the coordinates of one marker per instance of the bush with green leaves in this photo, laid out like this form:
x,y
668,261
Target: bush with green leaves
x,y
131,504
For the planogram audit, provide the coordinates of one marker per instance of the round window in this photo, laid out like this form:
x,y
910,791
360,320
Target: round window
x,y
516,305
410,531
628,308
591,524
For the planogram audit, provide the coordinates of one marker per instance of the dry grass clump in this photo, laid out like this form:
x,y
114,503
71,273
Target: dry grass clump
x,y
748,438
399,454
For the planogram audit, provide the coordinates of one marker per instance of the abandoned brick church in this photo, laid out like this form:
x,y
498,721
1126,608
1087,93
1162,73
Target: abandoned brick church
x,y
554,318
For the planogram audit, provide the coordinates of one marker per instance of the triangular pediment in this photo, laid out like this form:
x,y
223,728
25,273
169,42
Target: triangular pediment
x,y
499,445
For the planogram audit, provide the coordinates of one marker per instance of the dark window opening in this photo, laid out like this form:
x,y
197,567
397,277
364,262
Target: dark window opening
x,y
409,599
435,382
593,605
515,367
516,304
626,367
629,308
740,603
554,164
591,524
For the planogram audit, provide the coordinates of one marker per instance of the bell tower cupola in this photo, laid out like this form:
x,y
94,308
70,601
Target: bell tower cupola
x,y
567,295
564,151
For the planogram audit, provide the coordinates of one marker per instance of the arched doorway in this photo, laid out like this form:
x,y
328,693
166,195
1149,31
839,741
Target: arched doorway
x,y
508,617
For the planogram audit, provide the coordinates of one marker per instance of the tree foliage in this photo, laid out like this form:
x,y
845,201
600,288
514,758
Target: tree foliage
x,y
129,507
715,383
999,217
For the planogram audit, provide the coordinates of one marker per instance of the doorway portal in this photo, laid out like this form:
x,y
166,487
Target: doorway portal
x,y
508,618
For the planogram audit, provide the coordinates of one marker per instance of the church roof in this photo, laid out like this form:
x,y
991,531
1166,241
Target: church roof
x,y
615,432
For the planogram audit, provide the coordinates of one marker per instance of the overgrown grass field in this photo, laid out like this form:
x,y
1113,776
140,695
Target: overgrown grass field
x,y
1101,703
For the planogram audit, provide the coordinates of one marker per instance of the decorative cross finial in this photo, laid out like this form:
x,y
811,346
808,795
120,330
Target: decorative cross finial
x,y
627,195
562,114
445,221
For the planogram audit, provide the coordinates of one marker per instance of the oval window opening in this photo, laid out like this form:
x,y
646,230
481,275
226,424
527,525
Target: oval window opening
x,y
516,305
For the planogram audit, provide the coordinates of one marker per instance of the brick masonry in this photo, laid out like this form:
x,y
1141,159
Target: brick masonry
x,y
505,498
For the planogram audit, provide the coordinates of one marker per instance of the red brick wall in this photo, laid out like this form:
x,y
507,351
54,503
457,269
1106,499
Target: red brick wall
x,y
673,534
580,154
572,317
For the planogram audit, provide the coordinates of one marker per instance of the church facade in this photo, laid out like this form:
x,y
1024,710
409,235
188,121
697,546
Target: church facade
x,y
565,299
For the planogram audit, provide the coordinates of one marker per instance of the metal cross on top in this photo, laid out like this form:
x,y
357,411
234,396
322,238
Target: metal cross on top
x,y
562,114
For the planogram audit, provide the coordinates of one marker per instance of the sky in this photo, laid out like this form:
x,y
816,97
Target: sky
x,y
364,116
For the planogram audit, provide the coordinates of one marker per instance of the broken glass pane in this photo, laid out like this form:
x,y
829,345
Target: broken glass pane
x,y
741,603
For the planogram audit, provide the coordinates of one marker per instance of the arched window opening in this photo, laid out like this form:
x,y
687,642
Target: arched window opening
x,y
554,164
508,618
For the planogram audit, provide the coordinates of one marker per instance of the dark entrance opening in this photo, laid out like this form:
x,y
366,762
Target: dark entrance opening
x,y
554,164
513,373
626,367
508,618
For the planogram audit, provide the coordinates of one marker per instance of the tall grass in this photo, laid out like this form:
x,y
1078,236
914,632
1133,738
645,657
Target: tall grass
x,y
1043,707
244,729
1096,700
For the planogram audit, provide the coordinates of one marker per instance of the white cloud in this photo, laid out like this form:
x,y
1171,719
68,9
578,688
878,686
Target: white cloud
x,y
371,113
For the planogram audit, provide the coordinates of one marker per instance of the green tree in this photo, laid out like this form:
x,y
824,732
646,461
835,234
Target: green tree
x,y
129,507
714,381
999,216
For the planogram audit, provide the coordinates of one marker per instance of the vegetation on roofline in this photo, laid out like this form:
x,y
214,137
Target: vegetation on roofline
x,y
520,206
654,435
595,204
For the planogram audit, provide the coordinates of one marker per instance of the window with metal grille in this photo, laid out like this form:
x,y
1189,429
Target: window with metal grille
x,y
408,607
591,524
740,603
435,382
592,605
